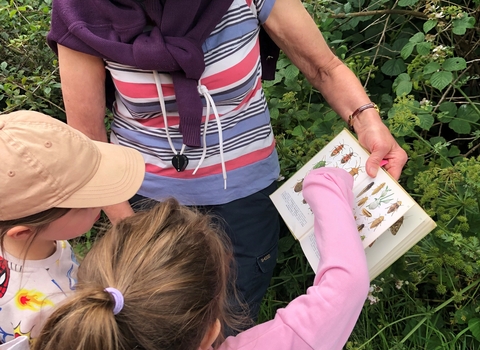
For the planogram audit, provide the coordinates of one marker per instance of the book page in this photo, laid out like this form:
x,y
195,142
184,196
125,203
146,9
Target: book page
x,y
379,203
401,236
343,151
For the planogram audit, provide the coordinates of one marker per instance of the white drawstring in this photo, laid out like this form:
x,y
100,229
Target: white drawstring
x,y
164,112
207,117
202,89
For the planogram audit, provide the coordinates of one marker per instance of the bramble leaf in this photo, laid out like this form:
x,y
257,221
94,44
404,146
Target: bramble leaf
x,y
404,88
394,67
417,38
423,48
426,121
431,67
468,113
454,64
440,80
407,50
449,107
460,126
429,25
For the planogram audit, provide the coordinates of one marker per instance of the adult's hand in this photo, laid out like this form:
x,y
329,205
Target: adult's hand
x,y
118,212
375,137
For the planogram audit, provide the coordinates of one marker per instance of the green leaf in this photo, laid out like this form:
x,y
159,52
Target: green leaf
x,y
474,327
417,38
454,64
431,68
426,121
469,113
3,65
404,88
461,25
436,139
393,67
298,131
330,116
407,50
301,115
347,7
453,151
449,107
397,45
291,72
274,113
440,80
424,48
460,126
401,77
429,25
406,3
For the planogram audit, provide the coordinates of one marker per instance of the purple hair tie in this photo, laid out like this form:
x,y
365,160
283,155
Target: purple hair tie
x,y
117,298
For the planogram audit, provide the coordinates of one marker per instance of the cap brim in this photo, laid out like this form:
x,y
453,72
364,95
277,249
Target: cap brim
x,y
118,178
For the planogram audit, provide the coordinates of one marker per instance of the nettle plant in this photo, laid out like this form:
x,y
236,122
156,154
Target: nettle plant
x,y
419,61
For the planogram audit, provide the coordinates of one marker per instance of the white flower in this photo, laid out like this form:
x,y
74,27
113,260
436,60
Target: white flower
x,y
439,15
425,102
399,284
372,299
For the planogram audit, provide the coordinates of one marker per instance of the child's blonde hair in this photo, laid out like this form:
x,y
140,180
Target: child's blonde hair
x,y
172,266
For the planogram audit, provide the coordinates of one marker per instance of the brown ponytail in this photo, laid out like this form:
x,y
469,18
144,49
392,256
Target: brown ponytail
x,y
171,264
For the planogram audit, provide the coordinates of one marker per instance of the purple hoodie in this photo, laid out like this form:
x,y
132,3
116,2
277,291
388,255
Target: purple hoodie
x,y
173,42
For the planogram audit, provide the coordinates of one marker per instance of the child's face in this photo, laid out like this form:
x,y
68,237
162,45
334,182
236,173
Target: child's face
x,y
73,224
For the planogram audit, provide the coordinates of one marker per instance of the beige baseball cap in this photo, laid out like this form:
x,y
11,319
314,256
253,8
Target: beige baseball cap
x,y
44,163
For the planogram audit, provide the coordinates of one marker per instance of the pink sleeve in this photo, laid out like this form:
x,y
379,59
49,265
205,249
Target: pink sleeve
x,y
325,316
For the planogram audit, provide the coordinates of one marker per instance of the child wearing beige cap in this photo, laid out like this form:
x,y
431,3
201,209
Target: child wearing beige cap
x,y
53,183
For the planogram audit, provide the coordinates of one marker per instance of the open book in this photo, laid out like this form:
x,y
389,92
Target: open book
x,y
389,221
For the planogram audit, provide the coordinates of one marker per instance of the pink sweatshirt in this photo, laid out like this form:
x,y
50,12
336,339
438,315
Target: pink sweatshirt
x,y
325,316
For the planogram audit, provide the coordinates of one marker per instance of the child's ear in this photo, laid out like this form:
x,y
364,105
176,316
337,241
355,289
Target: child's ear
x,y
212,334
21,233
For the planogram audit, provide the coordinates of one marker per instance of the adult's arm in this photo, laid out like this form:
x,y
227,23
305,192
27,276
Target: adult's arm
x,y
323,318
295,32
83,88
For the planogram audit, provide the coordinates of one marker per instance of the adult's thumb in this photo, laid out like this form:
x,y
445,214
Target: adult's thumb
x,y
373,163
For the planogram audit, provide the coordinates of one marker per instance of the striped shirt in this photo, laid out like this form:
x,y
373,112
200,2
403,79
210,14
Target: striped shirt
x,y
233,79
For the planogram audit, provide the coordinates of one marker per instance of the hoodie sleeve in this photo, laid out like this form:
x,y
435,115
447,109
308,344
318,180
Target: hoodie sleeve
x,y
324,317
20,343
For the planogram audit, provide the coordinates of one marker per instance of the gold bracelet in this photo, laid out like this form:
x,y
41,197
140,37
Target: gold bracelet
x,y
360,110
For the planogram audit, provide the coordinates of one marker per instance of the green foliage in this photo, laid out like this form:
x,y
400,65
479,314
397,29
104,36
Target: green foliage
x,y
28,71
418,60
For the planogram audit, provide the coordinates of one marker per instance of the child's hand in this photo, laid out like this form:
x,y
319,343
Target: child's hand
x,y
342,179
